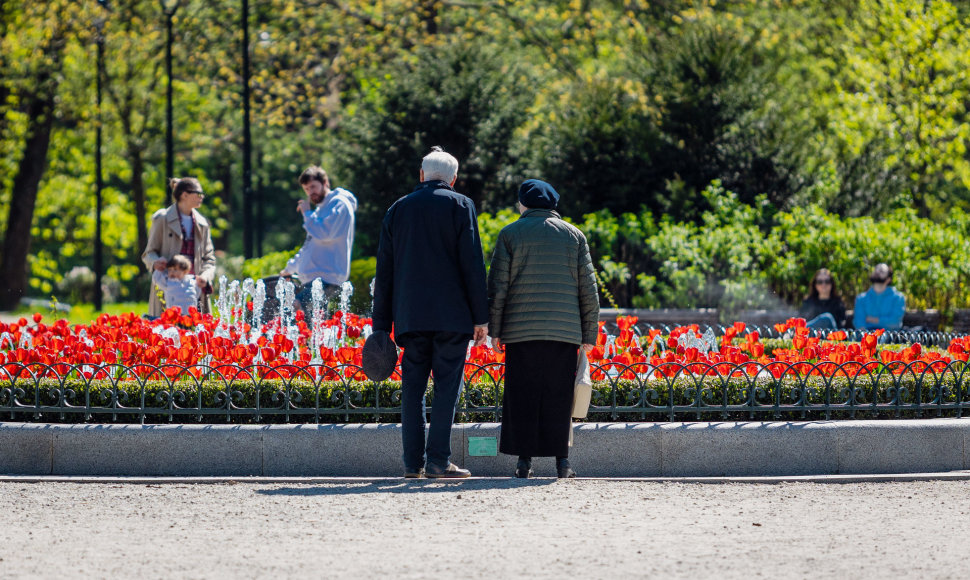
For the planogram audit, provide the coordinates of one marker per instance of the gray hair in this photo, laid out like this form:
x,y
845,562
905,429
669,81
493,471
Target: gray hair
x,y
439,165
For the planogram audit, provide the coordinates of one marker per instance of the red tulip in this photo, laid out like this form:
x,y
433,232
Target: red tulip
x,y
869,342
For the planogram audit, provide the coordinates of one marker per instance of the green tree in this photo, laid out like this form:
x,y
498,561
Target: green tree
x,y
903,93
597,148
722,117
465,99
34,43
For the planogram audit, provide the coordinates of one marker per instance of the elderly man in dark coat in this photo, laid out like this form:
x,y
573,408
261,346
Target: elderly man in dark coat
x,y
431,285
544,315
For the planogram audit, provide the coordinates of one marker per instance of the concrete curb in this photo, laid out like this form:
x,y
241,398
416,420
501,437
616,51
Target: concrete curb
x,y
474,480
668,451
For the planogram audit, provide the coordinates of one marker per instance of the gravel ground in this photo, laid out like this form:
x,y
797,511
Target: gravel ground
x,y
485,529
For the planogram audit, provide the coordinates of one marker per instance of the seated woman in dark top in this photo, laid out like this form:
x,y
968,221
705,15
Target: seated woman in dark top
x,y
823,307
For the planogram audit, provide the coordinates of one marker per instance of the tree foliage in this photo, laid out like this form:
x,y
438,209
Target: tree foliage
x,y
628,106
904,86
462,98
741,256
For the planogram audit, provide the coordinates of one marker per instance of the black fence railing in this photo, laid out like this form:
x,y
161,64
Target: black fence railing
x,y
321,394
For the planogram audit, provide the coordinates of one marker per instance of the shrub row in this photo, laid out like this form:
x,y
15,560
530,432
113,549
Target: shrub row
x,y
695,398
741,256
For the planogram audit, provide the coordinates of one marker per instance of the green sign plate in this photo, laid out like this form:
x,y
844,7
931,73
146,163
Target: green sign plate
x,y
482,446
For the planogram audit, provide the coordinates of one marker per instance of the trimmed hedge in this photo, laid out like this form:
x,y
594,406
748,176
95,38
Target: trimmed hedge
x,y
740,256
907,395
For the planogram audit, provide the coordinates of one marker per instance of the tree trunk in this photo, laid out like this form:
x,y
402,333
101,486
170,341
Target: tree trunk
x,y
222,241
136,158
430,13
4,82
23,199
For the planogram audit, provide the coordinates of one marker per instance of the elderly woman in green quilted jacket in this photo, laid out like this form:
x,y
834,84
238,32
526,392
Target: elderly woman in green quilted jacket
x,y
543,313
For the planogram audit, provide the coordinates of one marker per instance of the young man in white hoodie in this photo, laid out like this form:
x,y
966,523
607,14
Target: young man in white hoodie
x,y
328,218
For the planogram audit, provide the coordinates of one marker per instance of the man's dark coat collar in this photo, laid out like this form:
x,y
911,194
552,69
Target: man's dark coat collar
x,y
434,184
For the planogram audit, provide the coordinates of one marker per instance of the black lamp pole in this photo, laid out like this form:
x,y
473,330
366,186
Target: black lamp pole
x,y
99,177
169,7
247,140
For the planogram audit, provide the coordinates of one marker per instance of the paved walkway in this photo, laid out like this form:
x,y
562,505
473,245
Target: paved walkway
x,y
495,528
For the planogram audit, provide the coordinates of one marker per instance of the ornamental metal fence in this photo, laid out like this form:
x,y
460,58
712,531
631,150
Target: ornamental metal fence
x,y
688,391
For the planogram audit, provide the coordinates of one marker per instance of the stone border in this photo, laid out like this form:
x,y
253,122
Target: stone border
x,y
395,480
637,450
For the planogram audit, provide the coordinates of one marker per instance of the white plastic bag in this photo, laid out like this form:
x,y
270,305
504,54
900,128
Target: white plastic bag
x,y
583,391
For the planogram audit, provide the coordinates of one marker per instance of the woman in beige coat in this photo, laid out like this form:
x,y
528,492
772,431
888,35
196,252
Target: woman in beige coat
x,y
181,229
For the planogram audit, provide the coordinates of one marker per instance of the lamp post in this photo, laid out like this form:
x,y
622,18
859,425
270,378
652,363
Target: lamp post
x,y
169,7
247,140
99,174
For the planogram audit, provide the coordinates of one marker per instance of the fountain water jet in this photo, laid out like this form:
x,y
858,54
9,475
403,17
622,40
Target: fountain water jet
x,y
259,300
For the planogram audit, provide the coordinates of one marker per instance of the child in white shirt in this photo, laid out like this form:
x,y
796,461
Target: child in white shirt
x,y
177,285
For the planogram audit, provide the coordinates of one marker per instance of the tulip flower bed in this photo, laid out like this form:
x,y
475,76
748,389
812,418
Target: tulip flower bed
x,y
197,368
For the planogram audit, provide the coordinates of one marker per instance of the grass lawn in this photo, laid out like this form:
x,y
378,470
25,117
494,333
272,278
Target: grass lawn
x,y
80,313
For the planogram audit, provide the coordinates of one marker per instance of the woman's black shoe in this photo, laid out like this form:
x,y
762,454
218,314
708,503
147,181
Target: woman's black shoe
x,y
523,469
563,470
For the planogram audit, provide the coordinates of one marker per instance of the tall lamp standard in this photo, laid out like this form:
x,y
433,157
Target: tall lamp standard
x,y
247,140
169,7
99,177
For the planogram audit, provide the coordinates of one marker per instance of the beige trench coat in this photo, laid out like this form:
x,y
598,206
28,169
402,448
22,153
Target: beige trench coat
x,y
165,240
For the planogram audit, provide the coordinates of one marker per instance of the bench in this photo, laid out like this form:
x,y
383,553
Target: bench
x,y
928,320
664,316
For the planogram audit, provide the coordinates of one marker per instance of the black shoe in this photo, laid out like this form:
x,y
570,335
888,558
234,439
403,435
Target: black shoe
x,y
563,470
523,469
452,471
414,473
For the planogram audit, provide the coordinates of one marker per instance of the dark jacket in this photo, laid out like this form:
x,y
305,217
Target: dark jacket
x,y
430,268
812,307
541,284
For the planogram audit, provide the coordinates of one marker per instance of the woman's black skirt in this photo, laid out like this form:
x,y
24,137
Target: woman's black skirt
x,y
538,401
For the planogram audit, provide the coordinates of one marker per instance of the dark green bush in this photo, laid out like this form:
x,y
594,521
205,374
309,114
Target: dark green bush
x,y
743,256
694,399
462,96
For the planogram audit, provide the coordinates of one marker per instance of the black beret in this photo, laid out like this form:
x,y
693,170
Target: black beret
x,y
379,355
537,194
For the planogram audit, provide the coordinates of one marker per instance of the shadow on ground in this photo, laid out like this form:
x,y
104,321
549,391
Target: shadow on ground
x,y
409,486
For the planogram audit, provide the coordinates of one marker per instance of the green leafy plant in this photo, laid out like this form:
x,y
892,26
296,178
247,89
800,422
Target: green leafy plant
x,y
697,399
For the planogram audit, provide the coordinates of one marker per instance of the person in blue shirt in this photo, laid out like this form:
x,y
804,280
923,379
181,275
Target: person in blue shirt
x,y
328,218
881,306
